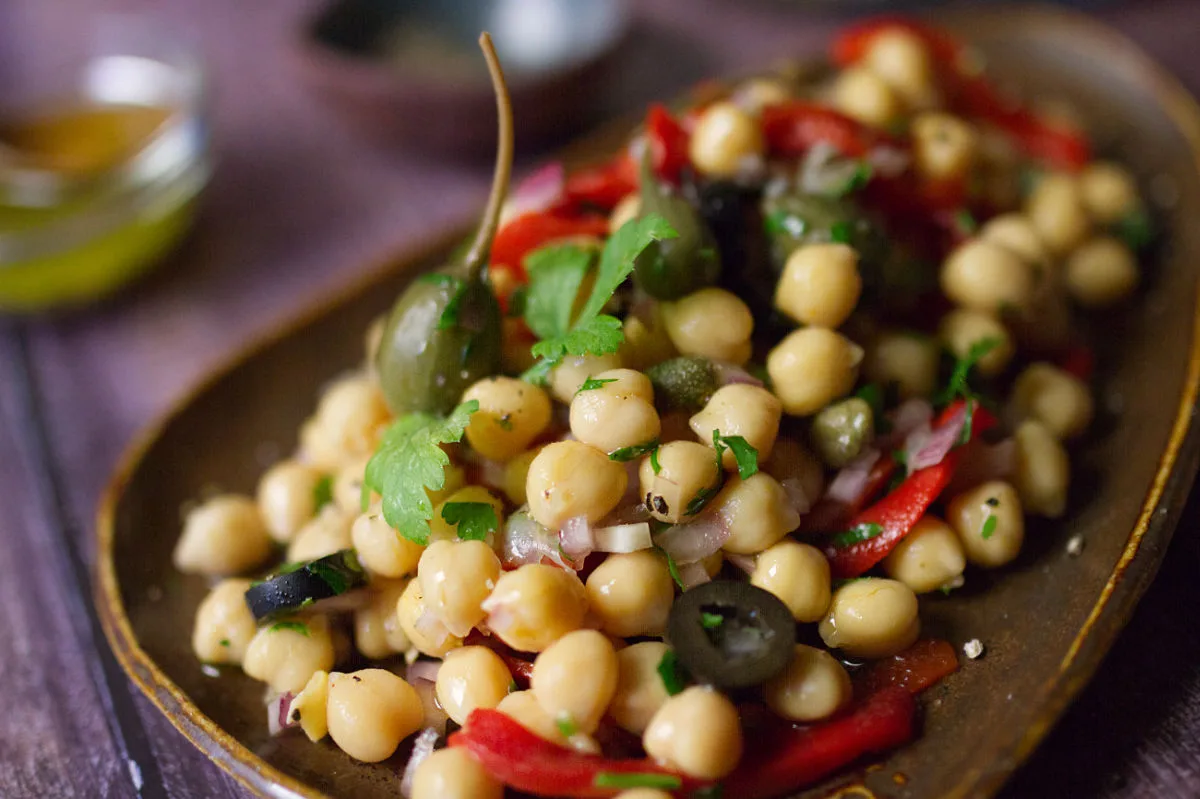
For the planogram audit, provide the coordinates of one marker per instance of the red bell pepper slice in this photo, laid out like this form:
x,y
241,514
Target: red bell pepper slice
x,y
516,757
668,142
520,668
920,666
831,515
792,128
527,232
787,758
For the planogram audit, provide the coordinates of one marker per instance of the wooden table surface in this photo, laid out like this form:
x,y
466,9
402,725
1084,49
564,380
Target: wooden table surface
x,y
296,206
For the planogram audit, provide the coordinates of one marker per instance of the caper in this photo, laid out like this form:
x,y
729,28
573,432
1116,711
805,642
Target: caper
x,y
443,333
841,430
684,383
671,268
794,219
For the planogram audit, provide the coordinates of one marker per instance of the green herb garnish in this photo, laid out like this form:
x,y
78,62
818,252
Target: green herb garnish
x,y
965,222
593,383
856,534
745,455
636,451
224,642
711,621
1136,229
323,491
566,725
989,527
409,460
674,676
654,461
958,385
294,626
841,232
472,520
672,567
622,779
859,179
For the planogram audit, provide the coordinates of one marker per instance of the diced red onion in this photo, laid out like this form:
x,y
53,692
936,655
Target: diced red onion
x,y
541,189
925,447
576,538
622,538
525,541
279,713
981,462
422,748
434,715
797,497
849,484
743,562
423,670
910,415
491,473
429,625
692,575
694,540
728,374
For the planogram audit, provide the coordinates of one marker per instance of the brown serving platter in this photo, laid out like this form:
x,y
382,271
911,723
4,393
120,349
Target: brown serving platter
x,y
1046,621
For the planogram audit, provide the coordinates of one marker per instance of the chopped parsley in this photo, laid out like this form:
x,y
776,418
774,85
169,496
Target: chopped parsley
x,y
636,451
781,222
472,520
745,455
1135,229
965,222
959,383
293,626
856,535
872,394
989,527
672,567
701,499
674,676
593,383
566,725
654,461
410,459
841,232
631,779
710,621
225,642
323,491
858,179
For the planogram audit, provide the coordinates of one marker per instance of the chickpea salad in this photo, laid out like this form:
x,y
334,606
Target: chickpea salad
x,y
641,495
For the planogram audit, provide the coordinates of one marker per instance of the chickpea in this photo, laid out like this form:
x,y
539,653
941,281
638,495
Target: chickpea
x,y
523,708
428,634
371,712
640,692
960,330
1056,398
928,558
1043,470
346,488
871,618
724,139
628,209
575,678
814,686
442,530
512,413
757,512
945,147
646,341
632,593
989,522
224,625
985,276
790,460
225,535
820,284
811,367
1056,210
1101,273
456,576
698,732
329,532
798,574
618,414
535,605
311,707
470,678
451,773
1018,234
377,631
1109,192
755,94
901,58
742,410
860,93
909,361
568,479
287,498
516,473
685,468
286,654
711,322
568,376
346,423
381,549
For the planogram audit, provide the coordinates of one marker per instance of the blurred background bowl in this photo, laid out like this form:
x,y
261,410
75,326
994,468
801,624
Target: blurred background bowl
x,y
410,71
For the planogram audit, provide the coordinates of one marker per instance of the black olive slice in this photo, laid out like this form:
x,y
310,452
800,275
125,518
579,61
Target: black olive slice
x,y
731,634
298,585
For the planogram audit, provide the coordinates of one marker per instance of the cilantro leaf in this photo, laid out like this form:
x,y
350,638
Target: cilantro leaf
x,y
674,676
323,491
958,386
409,460
632,779
635,451
566,725
711,621
856,534
654,464
672,567
616,261
294,626
598,335
473,520
702,497
989,527
555,275
593,383
745,455
840,232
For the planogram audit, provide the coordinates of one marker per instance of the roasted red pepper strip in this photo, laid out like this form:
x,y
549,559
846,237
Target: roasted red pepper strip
x,y
971,94
786,758
669,142
792,128
831,515
520,668
920,666
527,232
516,757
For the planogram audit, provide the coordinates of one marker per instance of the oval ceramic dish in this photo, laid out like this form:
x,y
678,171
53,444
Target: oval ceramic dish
x,y
1046,621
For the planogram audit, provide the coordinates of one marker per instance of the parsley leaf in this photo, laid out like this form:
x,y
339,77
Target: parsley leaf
x,y
566,725
555,276
671,567
294,626
654,464
225,642
745,455
592,332
958,385
701,499
840,232
711,621
674,676
631,779
856,534
989,527
635,451
473,520
409,460
593,383
323,491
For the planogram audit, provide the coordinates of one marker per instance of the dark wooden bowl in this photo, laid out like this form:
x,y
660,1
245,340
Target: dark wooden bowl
x,y
1047,620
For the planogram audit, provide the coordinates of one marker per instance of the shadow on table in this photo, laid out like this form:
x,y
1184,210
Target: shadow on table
x,y
1143,706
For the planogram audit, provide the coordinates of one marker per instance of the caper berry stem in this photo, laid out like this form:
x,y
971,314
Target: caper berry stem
x,y
477,256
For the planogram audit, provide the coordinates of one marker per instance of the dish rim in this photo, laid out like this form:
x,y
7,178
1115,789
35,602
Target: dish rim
x,y
1073,673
